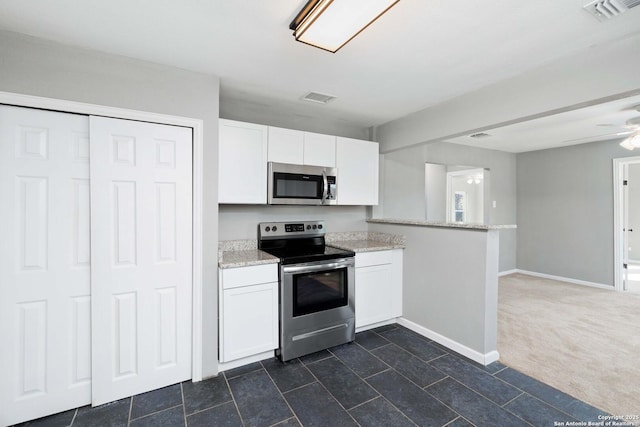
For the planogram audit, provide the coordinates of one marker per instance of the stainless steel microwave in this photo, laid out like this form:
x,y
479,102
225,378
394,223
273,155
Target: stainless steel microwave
x,y
301,185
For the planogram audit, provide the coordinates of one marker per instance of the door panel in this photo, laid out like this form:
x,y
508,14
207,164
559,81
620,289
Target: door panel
x,y
45,360
141,220
632,224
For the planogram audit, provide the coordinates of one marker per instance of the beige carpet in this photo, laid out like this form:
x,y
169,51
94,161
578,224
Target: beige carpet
x,y
584,341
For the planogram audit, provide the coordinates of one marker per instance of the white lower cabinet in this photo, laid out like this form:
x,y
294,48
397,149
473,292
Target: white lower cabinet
x,y
248,311
378,287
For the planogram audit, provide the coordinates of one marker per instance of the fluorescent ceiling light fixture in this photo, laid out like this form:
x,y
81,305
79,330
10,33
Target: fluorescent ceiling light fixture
x,y
330,24
632,142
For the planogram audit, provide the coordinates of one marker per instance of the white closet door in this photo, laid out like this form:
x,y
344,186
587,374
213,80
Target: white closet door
x,y
141,259
45,359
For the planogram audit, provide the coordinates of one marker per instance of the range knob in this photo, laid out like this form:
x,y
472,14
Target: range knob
x,y
319,226
274,228
308,227
267,229
315,226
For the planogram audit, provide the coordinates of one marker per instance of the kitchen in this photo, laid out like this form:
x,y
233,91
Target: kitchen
x,y
60,72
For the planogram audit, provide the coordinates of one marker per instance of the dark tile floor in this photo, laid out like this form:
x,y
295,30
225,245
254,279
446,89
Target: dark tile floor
x,y
389,377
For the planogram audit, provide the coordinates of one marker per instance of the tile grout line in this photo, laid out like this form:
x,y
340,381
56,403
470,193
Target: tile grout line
x,y
503,406
481,395
327,390
284,421
536,397
155,413
392,369
233,398
130,410
184,407
282,394
210,407
73,419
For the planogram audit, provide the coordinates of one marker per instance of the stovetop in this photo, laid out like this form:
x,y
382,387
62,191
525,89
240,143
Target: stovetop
x,y
299,256
297,242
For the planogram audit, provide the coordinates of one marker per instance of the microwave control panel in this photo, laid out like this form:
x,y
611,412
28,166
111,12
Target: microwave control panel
x,y
331,191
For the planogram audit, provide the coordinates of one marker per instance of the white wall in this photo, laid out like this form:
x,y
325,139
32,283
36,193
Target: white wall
x,y
35,67
276,113
435,182
241,221
565,211
450,282
403,185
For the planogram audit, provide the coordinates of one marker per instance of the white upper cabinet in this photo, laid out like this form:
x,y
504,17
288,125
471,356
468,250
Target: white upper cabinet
x,y
246,148
242,163
319,150
357,162
301,148
286,145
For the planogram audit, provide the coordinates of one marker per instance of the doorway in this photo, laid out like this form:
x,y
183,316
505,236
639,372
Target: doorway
x,y
465,196
627,224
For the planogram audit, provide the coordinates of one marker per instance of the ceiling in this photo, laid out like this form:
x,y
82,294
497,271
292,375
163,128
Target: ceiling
x,y
417,55
601,122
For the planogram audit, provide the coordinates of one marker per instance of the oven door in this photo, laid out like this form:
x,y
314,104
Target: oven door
x,y
317,306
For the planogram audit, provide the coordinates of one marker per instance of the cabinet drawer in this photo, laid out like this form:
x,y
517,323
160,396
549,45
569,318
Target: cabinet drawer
x,y
364,259
252,275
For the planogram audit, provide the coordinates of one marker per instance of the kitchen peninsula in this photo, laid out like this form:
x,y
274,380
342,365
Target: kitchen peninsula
x,y
450,291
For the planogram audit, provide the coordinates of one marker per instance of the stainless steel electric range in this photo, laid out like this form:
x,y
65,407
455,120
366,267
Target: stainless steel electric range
x,y
317,304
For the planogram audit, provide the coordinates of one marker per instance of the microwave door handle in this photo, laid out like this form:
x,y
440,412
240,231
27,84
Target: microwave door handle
x,y
325,186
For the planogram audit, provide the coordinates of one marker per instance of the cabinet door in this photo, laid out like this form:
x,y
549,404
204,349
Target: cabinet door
x,y
249,321
319,149
286,145
357,163
242,163
374,288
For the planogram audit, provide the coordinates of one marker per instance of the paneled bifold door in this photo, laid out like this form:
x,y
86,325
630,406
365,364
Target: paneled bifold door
x,y
141,256
95,260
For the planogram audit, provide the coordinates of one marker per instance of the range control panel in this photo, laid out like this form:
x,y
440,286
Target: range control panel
x,y
290,229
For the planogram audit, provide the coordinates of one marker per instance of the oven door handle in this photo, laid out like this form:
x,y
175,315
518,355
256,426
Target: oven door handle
x,y
318,267
325,186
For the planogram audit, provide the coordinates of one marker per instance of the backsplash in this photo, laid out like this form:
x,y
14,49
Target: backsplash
x,y
241,221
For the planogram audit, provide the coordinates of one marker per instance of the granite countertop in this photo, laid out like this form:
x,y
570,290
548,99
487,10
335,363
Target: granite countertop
x,y
242,253
363,241
481,227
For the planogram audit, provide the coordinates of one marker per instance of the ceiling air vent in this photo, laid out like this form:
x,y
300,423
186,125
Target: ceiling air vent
x,y
607,9
479,135
320,98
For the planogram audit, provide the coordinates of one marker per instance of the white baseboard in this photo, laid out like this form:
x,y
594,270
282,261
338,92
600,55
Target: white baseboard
x,y
507,272
245,361
565,279
472,354
376,325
